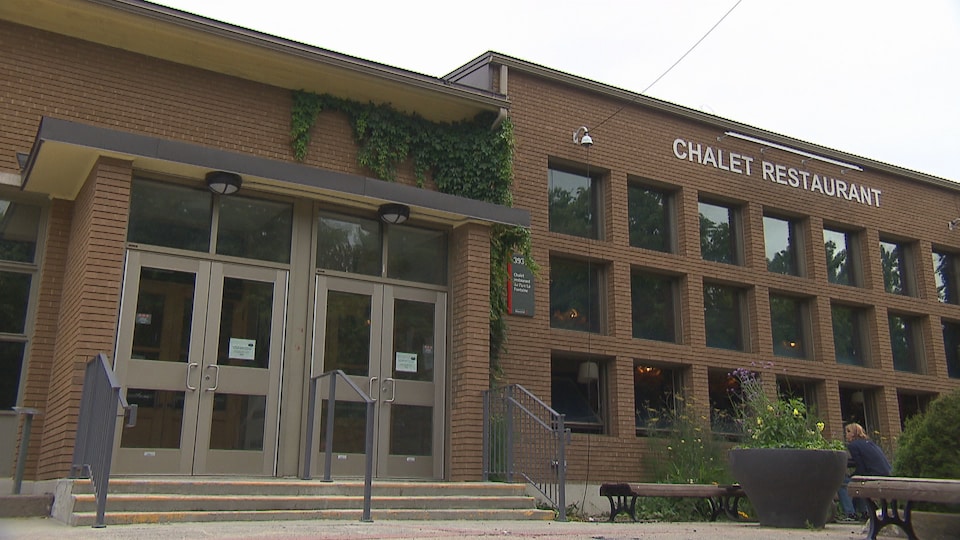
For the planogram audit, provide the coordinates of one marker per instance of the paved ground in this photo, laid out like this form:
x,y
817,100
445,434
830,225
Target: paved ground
x,y
41,528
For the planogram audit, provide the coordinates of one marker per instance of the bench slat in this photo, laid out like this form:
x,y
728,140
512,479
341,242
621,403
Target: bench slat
x,y
906,489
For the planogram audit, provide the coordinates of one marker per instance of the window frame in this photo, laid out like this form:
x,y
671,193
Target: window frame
x,y
794,243
672,385
735,225
31,269
595,307
951,349
804,328
668,204
739,303
672,282
595,226
947,282
854,256
906,267
913,334
566,383
860,325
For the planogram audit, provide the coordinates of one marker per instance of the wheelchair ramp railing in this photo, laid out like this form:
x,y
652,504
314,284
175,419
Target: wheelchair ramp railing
x,y
331,379
96,429
525,440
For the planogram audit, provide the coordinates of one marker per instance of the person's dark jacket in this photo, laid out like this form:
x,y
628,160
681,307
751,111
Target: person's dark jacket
x,y
868,458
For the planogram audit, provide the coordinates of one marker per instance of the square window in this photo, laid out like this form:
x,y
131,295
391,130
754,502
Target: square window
x,y
650,217
578,390
788,326
951,346
719,233
912,404
170,215
574,200
416,254
349,244
575,295
945,271
657,396
842,257
723,316
906,343
724,400
780,238
654,301
859,404
19,230
255,228
895,263
849,335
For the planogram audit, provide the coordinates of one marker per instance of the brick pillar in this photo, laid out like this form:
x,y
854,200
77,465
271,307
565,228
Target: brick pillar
x,y
469,356
42,344
89,303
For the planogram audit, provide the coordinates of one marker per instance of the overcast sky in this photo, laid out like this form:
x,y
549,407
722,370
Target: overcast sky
x,y
875,78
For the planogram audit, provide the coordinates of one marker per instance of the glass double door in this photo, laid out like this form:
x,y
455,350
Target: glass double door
x,y
199,352
391,341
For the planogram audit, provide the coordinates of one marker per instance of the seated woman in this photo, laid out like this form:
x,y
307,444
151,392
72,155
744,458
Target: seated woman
x,y
867,459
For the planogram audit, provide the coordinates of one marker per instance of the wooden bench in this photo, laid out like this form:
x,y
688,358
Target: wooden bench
x,y
721,498
884,494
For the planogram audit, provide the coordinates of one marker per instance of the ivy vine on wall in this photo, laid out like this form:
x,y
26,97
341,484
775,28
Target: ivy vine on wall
x,y
467,159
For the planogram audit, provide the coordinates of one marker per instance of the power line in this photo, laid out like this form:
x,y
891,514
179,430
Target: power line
x,y
662,75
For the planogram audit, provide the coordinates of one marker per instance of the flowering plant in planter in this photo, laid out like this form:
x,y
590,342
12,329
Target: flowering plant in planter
x,y
776,423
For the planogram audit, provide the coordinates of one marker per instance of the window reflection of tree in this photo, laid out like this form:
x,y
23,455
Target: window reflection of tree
x,y
846,335
786,319
652,299
722,317
574,295
716,234
838,268
648,218
892,262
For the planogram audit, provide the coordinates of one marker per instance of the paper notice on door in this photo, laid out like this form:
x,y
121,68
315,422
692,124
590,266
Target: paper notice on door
x,y
243,349
406,362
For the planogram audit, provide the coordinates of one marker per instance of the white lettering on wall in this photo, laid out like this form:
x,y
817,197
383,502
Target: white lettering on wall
x,y
776,173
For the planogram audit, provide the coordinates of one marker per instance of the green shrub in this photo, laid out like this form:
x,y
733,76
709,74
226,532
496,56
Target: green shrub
x,y
929,446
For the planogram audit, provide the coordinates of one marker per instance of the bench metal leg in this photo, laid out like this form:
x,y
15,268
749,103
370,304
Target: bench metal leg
x,y
621,506
886,514
723,505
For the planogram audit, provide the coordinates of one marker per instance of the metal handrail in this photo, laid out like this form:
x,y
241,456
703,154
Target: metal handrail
x,y
96,429
523,436
328,450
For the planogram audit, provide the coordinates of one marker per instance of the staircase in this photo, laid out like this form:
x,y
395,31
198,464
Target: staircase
x,y
165,500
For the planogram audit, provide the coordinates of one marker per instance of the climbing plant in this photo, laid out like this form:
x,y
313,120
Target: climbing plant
x,y
467,159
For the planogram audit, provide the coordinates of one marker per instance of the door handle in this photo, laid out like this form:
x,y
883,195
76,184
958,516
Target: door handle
x,y
189,369
216,382
370,388
393,386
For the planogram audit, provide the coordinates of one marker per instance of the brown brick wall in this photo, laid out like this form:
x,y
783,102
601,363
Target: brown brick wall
x,y
636,143
469,348
89,304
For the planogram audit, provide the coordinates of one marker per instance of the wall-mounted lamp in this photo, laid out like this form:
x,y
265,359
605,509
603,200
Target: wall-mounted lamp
x,y
394,213
224,183
582,137
953,224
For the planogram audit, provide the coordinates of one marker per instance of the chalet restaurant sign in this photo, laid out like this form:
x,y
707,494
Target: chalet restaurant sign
x,y
776,173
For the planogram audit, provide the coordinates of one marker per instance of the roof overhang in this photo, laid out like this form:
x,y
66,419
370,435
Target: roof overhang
x,y
64,153
184,38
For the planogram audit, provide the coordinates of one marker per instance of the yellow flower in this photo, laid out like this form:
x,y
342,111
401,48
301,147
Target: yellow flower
x,y
819,426
796,412
759,421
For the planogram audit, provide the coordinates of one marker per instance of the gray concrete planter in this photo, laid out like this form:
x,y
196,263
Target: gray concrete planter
x,y
789,488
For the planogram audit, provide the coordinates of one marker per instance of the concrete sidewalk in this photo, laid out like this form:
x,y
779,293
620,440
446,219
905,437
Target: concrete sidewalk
x,y
42,528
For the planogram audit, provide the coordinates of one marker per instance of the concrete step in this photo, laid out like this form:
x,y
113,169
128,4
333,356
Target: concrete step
x,y
127,518
165,500
129,502
13,506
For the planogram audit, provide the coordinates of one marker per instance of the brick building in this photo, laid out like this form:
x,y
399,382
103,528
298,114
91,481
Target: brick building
x,y
152,208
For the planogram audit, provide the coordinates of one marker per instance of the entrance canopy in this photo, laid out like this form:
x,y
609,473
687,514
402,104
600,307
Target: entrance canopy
x,y
64,152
